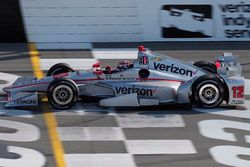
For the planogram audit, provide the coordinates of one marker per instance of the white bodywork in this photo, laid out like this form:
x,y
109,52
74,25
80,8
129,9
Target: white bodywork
x,y
169,81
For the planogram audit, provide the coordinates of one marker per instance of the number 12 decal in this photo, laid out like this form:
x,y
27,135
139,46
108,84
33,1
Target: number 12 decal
x,y
238,91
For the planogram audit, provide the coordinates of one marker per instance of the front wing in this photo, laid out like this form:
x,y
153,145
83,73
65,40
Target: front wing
x,y
20,99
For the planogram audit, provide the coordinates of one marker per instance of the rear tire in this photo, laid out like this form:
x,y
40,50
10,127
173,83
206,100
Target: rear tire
x,y
62,93
207,66
59,69
208,92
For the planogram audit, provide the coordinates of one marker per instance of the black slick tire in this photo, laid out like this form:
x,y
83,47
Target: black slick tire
x,y
207,66
59,69
208,91
62,93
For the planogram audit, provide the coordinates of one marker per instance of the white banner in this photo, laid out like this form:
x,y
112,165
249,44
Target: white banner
x,y
71,23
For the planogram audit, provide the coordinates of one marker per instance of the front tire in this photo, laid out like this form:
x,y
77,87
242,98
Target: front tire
x,y
59,69
62,94
208,92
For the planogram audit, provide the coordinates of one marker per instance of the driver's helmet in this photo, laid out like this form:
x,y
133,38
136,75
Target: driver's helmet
x,y
123,65
96,66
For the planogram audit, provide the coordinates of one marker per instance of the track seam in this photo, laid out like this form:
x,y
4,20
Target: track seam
x,y
49,117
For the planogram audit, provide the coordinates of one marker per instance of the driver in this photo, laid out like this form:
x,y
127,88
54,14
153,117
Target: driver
x,y
123,65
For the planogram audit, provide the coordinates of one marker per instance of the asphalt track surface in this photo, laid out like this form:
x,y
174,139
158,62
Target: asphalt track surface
x,y
88,135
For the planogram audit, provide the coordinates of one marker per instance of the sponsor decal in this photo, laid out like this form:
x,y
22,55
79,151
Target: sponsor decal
x,y
236,19
187,21
173,69
25,101
237,102
133,89
118,78
121,77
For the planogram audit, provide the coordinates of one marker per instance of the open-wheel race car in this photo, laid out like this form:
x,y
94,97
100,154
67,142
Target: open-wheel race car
x,y
149,80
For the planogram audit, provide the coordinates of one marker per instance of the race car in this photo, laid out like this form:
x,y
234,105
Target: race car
x,y
150,80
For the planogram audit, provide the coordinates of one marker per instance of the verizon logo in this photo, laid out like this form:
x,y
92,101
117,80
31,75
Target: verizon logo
x,y
133,89
173,69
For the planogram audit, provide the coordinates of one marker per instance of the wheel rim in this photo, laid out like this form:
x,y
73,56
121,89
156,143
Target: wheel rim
x,y
209,94
63,95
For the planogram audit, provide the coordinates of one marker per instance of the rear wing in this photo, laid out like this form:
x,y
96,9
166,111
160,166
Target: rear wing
x,y
228,65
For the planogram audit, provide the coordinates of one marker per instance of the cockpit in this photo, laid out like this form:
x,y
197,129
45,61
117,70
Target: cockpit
x,y
122,66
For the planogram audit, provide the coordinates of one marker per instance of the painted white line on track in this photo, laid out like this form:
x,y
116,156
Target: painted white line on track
x,y
144,120
240,113
78,64
69,112
91,134
81,109
147,147
24,132
99,160
26,157
115,53
17,113
216,129
83,112
229,155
